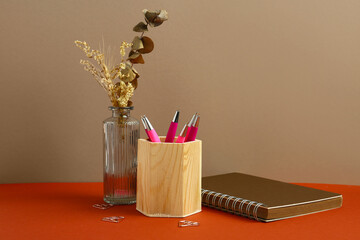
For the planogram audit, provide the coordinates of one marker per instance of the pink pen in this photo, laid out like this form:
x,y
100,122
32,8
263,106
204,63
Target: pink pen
x,y
172,129
181,137
190,126
193,131
151,131
144,123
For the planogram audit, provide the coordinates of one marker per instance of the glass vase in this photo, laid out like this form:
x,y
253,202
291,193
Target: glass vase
x,y
121,134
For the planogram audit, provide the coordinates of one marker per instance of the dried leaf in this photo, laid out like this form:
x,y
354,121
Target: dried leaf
x,y
163,15
138,59
140,27
156,22
133,55
134,83
131,76
126,70
136,72
148,45
127,75
137,44
150,15
155,18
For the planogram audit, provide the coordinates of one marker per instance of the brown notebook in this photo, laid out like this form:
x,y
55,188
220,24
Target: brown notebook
x,y
264,199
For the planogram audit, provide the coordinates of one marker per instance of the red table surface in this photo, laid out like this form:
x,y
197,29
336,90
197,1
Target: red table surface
x,y
64,211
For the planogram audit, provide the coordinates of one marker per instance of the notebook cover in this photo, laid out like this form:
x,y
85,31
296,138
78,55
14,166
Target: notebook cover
x,y
274,200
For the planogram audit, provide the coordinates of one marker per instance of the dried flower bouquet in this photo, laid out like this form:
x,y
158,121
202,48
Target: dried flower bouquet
x,y
120,80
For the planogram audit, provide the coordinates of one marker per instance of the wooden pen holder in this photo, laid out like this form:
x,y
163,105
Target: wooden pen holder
x,y
168,178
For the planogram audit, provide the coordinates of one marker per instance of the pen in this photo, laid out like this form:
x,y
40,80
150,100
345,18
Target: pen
x,y
151,131
190,126
194,129
181,137
172,129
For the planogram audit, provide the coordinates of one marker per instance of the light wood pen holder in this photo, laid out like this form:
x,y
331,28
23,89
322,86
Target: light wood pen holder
x,y
168,178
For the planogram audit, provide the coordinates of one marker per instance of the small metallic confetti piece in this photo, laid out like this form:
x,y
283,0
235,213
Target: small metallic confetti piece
x,y
185,223
113,219
102,206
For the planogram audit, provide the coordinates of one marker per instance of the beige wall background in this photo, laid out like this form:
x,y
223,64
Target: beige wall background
x,y
277,84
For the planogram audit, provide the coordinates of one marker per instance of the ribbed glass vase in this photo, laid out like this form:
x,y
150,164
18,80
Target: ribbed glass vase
x,y
121,134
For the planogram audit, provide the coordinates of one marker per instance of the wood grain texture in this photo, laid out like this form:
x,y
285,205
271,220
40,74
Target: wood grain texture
x,y
169,178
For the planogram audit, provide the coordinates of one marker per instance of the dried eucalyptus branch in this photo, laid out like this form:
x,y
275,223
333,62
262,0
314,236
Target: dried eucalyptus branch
x,y
142,45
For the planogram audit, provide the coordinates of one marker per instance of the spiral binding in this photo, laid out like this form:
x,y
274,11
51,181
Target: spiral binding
x,y
246,212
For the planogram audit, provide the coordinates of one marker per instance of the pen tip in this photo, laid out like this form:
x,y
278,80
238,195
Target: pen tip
x,y
176,117
196,124
193,119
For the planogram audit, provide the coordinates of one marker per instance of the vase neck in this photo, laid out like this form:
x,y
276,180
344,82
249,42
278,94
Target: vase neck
x,y
121,111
